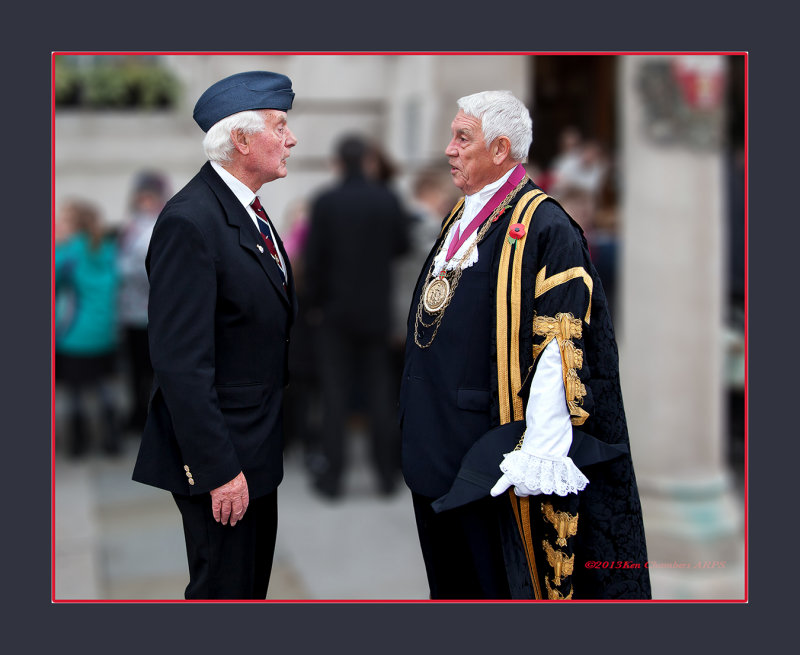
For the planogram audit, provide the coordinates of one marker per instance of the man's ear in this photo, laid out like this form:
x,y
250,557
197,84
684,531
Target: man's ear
x,y
241,141
501,149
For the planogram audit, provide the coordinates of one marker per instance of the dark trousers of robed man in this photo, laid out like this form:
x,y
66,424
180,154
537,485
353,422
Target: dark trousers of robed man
x,y
444,408
219,334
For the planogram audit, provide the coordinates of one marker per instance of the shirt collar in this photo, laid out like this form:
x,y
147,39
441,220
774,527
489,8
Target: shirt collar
x,y
488,191
242,192
474,203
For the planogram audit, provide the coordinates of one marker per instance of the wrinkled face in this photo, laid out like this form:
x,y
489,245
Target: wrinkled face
x,y
269,149
471,164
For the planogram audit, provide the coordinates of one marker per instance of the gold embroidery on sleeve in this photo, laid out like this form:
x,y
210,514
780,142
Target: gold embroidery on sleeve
x,y
564,325
562,565
563,328
576,391
545,284
565,524
555,594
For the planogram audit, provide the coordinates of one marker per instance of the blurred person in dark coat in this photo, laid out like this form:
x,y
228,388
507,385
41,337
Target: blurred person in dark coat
x,y
357,228
147,200
86,330
515,445
221,305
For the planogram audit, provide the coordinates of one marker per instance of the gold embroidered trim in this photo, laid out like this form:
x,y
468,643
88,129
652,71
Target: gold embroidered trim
x,y
565,524
516,305
563,328
555,594
564,325
562,565
520,505
545,284
573,357
576,391
504,357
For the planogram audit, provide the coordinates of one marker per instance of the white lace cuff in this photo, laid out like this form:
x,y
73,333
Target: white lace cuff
x,y
541,475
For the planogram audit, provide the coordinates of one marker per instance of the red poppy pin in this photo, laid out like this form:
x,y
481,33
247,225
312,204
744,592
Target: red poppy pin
x,y
516,231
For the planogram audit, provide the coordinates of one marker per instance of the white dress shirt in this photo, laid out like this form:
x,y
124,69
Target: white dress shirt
x,y
245,196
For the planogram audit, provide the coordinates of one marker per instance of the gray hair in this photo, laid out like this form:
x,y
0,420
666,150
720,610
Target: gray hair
x,y
501,114
217,143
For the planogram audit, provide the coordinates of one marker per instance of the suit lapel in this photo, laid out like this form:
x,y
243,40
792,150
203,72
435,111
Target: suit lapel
x,y
292,297
249,237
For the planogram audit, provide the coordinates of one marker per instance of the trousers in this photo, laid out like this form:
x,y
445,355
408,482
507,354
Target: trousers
x,y
229,562
462,549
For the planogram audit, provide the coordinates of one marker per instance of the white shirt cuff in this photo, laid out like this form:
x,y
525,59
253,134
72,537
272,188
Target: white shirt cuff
x,y
541,475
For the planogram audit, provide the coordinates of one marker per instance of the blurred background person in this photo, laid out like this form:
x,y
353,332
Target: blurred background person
x,y
150,193
570,141
357,228
377,165
302,396
580,179
584,169
86,339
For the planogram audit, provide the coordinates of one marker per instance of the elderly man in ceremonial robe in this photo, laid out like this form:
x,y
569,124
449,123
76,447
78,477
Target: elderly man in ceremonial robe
x,y
515,445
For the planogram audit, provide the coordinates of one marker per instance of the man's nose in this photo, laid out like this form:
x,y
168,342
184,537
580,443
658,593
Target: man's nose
x,y
450,150
291,140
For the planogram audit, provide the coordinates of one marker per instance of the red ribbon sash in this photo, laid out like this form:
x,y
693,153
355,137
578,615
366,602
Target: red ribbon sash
x,y
508,186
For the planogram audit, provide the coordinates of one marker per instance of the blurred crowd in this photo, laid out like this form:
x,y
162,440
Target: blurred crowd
x,y
356,247
100,317
356,250
581,176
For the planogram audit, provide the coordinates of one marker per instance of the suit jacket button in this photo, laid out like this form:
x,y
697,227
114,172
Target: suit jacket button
x,y
185,467
191,481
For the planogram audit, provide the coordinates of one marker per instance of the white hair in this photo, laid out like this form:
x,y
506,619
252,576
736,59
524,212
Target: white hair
x,y
501,114
217,143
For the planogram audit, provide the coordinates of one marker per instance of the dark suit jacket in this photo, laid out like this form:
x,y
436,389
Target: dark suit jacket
x,y
219,324
357,228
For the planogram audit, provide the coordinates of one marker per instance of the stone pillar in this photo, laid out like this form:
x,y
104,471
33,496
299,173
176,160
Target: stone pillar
x,y
671,328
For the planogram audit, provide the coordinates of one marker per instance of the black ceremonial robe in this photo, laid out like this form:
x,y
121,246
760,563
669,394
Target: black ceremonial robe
x,y
543,286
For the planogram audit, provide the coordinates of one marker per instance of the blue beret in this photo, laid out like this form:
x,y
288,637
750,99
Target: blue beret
x,y
240,92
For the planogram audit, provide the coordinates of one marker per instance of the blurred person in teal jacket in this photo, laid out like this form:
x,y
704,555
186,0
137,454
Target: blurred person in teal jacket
x,y
86,283
149,195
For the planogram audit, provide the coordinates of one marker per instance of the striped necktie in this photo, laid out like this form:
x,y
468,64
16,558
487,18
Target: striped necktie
x,y
263,225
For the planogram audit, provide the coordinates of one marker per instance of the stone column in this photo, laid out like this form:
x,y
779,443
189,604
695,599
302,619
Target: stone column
x,y
671,328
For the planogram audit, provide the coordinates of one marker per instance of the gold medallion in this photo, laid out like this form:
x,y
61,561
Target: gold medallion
x,y
436,293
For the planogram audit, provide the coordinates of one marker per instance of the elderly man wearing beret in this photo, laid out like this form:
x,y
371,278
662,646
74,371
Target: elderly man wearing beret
x,y
221,305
